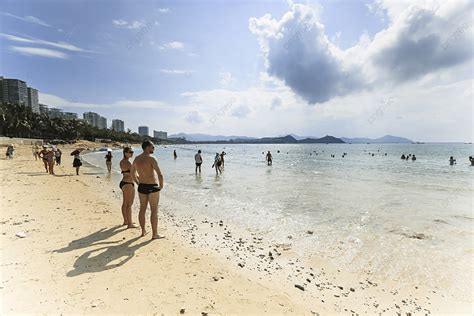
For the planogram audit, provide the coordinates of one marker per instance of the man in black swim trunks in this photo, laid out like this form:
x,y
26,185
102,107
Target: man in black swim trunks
x,y
145,171
198,160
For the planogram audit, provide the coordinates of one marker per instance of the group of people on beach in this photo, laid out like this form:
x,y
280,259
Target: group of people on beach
x,y
50,156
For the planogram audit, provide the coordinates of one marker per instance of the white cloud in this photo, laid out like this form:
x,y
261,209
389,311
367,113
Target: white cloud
x,y
36,51
29,19
172,45
418,111
56,101
164,10
226,79
132,25
60,45
177,72
421,39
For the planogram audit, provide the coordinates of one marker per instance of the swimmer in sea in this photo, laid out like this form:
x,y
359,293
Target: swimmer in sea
x,y
452,161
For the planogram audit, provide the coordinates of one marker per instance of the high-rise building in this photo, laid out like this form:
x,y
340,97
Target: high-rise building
x,y
95,120
13,91
118,125
102,122
55,113
43,108
160,135
143,131
70,116
91,118
33,99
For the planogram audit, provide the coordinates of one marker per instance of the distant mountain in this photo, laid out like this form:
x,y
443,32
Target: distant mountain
x,y
288,139
323,140
387,139
206,138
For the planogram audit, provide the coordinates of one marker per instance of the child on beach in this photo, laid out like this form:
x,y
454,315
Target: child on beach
x,y
10,151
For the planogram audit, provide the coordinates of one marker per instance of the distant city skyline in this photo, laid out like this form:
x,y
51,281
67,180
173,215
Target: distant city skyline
x,y
256,68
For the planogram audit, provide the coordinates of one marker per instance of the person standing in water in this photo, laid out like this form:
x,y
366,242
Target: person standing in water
x,y
175,155
146,173
471,160
108,160
198,160
222,159
217,163
269,158
127,187
452,161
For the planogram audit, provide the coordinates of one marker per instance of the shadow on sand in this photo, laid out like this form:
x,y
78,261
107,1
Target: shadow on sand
x,y
35,174
109,257
93,239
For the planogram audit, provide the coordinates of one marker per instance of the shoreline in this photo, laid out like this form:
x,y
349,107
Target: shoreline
x,y
264,283
76,259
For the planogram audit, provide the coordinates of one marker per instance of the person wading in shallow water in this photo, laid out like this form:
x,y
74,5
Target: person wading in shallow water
x,y
108,160
269,159
198,160
145,171
217,164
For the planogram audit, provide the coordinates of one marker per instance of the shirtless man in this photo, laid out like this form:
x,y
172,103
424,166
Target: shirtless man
x,y
145,172
269,158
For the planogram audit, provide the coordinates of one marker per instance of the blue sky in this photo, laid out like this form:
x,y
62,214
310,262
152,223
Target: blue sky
x,y
252,68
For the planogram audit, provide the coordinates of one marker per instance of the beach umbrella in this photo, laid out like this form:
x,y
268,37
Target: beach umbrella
x,y
77,151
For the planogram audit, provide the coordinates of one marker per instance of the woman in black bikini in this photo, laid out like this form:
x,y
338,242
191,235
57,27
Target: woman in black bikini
x,y
108,160
127,187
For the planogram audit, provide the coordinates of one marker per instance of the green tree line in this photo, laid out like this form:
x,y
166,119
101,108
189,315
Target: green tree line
x,y
20,121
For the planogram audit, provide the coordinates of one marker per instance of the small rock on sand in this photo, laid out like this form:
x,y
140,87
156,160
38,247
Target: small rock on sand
x,y
299,287
21,234
182,311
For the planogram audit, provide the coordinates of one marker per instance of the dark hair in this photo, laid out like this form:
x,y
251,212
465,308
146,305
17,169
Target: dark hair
x,y
146,143
127,150
199,151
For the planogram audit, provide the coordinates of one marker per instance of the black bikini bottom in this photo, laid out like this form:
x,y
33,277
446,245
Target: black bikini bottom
x,y
122,183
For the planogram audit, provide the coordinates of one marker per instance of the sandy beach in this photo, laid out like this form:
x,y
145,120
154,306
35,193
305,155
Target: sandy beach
x,y
75,258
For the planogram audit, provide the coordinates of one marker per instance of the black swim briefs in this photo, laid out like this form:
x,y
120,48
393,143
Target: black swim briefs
x,y
145,188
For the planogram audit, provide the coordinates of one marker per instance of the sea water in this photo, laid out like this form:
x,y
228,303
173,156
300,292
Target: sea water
x,y
369,211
